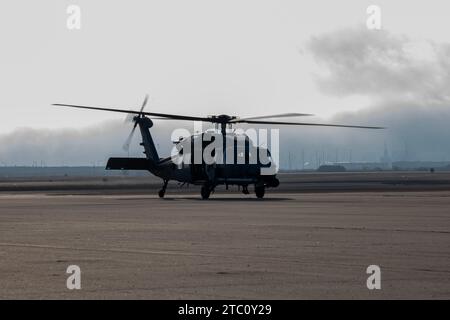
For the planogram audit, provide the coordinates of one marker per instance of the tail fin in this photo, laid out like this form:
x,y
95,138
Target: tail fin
x,y
147,141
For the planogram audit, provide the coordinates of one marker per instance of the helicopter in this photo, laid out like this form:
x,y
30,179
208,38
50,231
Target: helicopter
x,y
247,166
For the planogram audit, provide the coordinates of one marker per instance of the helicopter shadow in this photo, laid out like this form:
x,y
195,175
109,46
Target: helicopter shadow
x,y
229,199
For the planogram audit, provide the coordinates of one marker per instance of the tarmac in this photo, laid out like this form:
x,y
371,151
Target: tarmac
x,y
314,238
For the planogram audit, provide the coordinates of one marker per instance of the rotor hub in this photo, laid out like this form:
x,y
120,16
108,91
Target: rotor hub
x,y
222,118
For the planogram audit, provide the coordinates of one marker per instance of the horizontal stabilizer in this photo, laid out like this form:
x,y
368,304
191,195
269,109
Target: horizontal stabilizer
x,y
128,164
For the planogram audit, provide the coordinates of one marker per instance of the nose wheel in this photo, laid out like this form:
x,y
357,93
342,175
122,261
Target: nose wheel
x,y
162,192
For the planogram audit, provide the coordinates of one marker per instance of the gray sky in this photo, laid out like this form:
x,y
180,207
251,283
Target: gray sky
x,y
212,57
196,57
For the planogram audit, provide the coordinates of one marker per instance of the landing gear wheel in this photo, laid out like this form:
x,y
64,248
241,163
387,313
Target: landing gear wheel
x,y
205,192
245,190
260,191
162,192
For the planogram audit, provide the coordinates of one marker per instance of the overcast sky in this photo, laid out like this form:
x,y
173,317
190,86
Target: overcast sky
x,y
193,57
212,57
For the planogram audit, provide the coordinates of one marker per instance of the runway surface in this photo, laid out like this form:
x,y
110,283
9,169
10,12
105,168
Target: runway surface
x,y
287,246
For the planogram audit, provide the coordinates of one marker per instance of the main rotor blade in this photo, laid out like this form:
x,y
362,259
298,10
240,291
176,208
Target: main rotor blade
x,y
162,115
308,124
281,115
190,118
130,118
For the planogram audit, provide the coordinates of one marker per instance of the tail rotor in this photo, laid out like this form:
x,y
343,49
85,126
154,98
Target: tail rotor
x,y
135,118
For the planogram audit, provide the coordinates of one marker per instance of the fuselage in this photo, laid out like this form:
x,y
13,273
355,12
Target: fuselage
x,y
195,160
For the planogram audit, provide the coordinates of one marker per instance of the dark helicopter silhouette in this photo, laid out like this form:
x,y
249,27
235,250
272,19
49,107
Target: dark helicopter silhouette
x,y
245,168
